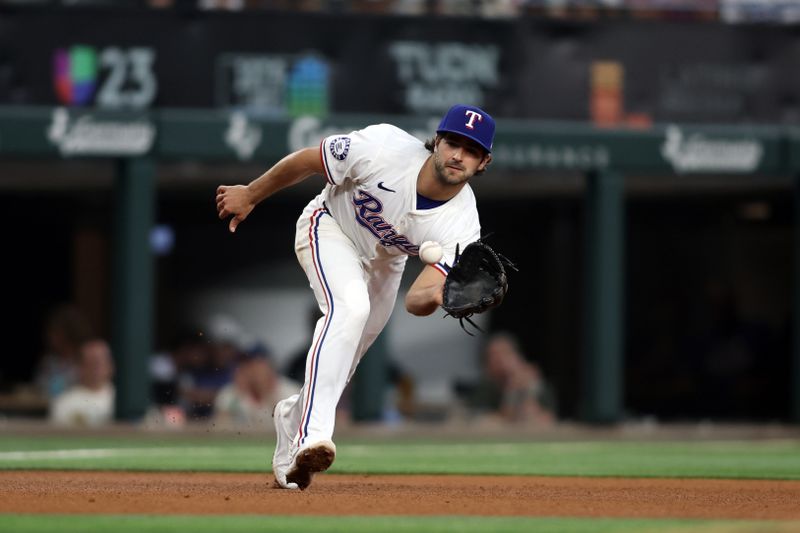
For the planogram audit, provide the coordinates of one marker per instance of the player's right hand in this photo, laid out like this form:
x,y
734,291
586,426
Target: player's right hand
x,y
234,201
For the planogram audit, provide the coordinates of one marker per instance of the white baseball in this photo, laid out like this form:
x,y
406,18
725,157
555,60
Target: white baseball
x,y
430,252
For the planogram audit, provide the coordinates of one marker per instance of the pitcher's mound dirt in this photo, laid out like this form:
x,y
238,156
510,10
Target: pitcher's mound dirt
x,y
331,494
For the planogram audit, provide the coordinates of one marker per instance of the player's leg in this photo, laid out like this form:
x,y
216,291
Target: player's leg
x,y
336,275
383,283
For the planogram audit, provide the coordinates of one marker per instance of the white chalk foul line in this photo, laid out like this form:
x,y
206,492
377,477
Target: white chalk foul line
x,y
100,453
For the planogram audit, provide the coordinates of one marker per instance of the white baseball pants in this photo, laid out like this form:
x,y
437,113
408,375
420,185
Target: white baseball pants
x,y
356,297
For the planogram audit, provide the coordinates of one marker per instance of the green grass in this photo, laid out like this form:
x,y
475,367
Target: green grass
x,y
779,459
400,524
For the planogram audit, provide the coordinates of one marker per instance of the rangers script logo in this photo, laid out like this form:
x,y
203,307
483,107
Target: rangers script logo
x,y
368,211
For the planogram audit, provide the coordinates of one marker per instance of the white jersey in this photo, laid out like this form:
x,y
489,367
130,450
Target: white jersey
x,y
372,195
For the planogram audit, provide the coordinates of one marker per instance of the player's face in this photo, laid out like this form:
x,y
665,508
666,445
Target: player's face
x,y
457,158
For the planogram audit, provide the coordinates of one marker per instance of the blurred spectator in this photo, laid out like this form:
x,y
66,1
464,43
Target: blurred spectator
x,y
205,363
165,409
401,403
513,388
66,330
255,390
191,354
227,342
91,401
173,393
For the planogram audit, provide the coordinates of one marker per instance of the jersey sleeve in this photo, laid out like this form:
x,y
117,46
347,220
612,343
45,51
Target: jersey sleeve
x,y
349,156
468,231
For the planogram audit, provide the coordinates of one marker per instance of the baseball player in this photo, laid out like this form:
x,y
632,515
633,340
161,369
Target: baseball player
x,y
386,193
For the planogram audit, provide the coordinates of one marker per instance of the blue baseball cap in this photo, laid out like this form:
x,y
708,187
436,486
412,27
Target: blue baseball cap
x,y
471,122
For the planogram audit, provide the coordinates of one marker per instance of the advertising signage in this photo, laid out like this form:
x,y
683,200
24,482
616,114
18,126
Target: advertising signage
x,y
520,145
284,65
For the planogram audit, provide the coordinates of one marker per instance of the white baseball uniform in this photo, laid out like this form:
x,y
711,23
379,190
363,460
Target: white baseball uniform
x,y
352,241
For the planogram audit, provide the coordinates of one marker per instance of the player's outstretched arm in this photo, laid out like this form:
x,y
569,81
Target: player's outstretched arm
x,y
425,294
237,201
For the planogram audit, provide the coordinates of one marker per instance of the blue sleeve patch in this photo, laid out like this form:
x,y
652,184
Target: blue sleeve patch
x,y
339,147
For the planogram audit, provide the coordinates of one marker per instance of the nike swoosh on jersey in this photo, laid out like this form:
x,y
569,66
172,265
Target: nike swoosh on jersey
x,y
384,188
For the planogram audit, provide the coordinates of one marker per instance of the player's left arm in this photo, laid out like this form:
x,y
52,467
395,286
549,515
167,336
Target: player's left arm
x,y
425,294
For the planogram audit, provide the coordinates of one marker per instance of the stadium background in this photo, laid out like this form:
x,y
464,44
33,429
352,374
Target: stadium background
x,y
651,287
693,245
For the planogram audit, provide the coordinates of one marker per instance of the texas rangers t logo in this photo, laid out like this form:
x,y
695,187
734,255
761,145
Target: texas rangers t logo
x,y
472,116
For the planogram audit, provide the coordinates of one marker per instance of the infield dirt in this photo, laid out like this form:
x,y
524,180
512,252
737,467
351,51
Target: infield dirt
x,y
332,494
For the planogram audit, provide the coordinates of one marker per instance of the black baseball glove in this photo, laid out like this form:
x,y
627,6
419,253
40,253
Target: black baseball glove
x,y
476,282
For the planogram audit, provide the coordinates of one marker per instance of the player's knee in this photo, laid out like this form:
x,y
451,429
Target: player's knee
x,y
356,303
352,311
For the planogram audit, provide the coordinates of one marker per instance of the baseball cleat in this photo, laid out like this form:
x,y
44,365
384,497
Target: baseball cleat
x,y
309,460
281,459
